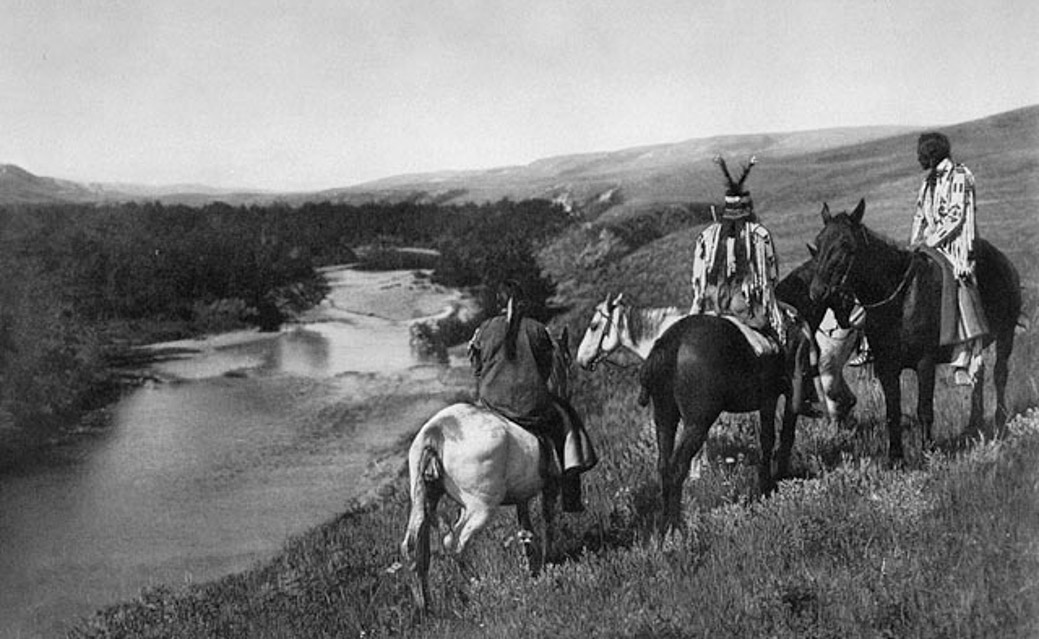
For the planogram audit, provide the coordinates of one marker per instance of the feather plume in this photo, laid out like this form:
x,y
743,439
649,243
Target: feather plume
x,y
746,172
720,161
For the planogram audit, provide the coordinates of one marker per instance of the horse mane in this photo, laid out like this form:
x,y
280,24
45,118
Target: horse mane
x,y
878,237
645,323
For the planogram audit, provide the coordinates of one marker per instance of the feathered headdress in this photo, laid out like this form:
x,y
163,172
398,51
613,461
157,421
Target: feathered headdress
x,y
737,198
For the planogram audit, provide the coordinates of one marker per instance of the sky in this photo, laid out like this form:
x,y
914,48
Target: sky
x,y
304,95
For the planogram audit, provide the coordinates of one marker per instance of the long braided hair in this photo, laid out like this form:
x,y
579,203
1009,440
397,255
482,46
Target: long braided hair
x,y
511,294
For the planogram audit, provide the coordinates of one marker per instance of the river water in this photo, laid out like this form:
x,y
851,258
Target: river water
x,y
254,439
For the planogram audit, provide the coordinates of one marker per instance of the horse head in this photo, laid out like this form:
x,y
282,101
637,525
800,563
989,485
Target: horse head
x,y
834,254
603,335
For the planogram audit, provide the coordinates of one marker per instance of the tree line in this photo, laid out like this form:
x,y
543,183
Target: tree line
x,y
82,283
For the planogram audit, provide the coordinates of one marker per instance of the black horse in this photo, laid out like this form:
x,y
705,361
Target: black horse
x,y
901,291
701,366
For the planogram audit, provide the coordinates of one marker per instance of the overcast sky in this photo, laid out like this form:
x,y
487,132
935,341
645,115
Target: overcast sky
x,y
303,95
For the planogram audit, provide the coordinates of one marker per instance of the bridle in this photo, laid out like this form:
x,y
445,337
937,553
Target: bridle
x,y
600,354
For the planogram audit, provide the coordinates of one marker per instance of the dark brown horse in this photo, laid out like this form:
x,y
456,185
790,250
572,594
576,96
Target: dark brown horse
x,y
701,366
901,291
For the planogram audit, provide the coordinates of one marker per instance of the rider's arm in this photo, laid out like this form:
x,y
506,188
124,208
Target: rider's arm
x,y
771,264
951,219
916,236
699,279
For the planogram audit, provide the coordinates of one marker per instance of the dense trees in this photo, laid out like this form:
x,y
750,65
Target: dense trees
x,y
78,281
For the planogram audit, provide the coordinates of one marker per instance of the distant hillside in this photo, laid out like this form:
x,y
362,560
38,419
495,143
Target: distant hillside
x,y
19,186
639,176
636,177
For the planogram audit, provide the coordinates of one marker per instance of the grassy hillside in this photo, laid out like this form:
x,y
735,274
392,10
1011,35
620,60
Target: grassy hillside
x,y
945,547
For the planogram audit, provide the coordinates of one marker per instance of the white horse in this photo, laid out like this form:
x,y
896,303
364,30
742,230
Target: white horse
x,y
480,460
616,325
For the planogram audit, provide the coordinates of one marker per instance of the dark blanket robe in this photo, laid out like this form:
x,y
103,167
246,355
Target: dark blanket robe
x,y
957,299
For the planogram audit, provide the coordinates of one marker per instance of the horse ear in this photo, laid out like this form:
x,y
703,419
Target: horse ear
x,y
856,215
826,213
617,301
813,250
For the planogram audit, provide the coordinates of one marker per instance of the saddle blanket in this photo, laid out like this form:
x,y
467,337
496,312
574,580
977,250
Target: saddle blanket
x,y
759,342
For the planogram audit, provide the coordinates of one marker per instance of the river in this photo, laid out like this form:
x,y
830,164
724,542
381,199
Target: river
x,y
253,438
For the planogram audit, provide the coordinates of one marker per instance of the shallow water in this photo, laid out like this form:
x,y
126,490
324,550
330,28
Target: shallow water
x,y
256,441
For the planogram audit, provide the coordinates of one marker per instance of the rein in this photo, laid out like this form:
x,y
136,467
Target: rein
x,y
898,289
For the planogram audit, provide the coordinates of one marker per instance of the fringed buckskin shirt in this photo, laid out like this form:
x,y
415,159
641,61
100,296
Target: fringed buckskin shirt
x,y
757,283
944,216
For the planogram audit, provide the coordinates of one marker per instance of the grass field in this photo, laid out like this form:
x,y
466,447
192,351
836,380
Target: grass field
x,y
946,547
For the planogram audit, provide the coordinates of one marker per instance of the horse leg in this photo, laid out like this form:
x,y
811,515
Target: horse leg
x,y
473,517
548,514
665,415
889,382
694,435
976,423
925,375
530,547
1000,373
786,441
767,441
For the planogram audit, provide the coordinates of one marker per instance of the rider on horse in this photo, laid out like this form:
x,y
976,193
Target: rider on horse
x,y
735,272
512,357
944,221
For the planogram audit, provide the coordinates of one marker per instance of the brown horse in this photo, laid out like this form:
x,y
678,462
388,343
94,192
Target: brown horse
x,y
901,291
700,366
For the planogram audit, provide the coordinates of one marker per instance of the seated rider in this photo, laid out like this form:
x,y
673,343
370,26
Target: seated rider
x,y
944,221
512,358
735,272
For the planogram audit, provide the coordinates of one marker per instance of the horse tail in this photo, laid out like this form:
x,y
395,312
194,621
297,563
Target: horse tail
x,y
426,472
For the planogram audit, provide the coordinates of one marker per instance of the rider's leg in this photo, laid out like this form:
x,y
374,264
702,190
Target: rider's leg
x,y
567,421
